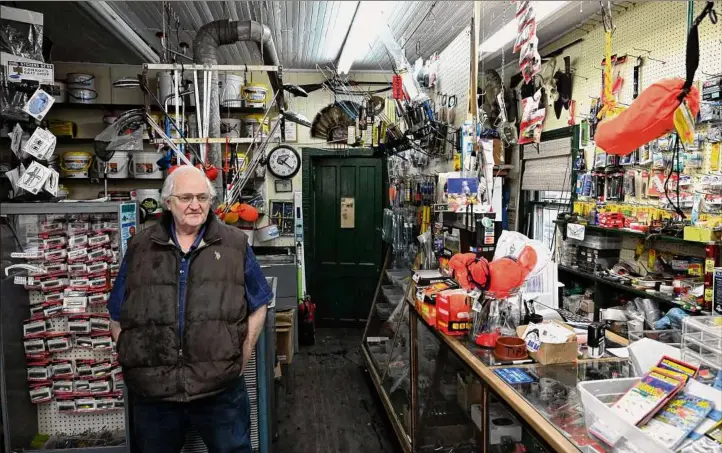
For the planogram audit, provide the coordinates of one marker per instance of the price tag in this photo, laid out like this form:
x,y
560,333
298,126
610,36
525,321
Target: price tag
x,y
18,280
575,231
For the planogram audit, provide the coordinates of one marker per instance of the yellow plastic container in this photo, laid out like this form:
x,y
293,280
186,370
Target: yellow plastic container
x,y
75,164
255,95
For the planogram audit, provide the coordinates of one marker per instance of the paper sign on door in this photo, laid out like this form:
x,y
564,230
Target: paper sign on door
x,y
348,213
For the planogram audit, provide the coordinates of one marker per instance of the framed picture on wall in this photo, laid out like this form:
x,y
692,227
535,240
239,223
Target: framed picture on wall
x,y
291,132
283,185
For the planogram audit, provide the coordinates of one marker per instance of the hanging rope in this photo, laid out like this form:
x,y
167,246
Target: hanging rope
x,y
610,107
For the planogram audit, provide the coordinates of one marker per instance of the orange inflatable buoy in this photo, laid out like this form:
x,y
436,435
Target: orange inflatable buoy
x,y
248,213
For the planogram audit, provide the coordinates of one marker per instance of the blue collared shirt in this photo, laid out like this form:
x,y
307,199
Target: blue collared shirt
x,y
258,292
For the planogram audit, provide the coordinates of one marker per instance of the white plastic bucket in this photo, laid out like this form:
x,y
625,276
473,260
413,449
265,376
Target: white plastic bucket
x,y
75,164
149,199
117,165
255,95
164,81
59,91
231,127
250,127
230,90
80,80
144,166
82,96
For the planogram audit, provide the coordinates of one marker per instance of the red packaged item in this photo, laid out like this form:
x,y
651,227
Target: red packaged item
x,y
83,368
41,392
55,270
62,369
98,240
54,242
63,388
453,312
51,228
78,242
98,298
98,284
53,284
35,326
79,324
96,269
78,255
53,297
100,254
57,341
55,255
76,227
101,341
77,269
65,403
52,309
39,371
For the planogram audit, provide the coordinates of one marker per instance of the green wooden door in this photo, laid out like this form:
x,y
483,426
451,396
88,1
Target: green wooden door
x,y
346,257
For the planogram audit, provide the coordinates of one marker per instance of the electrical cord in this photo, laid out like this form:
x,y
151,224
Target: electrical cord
x,y
674,168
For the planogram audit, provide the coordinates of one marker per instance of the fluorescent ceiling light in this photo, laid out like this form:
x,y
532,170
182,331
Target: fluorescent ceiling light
x,y
364,30
508,32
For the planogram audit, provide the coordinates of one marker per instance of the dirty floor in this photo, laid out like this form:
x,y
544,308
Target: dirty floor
x,y
327,403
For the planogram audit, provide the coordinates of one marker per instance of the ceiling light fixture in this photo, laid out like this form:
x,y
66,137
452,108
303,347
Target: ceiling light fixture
x,y
508,32
364,30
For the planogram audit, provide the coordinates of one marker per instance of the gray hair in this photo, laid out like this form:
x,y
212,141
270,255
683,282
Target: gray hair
x,y
169,183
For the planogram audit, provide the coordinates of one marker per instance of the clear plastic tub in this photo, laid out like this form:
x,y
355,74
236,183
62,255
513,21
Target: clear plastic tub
x,y
702,341
604,423
393,294
384,311
598,242
398,276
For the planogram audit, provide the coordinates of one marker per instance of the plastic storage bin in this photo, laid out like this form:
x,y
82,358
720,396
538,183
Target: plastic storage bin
x,y
597,396
393,294
598,242
702,341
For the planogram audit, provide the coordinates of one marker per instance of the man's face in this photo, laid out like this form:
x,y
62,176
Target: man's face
x,y
184,203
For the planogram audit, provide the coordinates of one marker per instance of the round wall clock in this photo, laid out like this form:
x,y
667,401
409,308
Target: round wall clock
x,y
283,162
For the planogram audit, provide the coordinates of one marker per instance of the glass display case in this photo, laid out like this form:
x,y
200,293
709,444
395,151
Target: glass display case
x,y
386,349
61,385
461,399
449,395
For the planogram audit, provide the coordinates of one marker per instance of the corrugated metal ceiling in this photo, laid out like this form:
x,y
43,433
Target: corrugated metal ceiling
x,y
306,33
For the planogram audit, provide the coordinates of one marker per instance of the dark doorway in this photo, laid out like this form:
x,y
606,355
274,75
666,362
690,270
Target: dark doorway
x,y
343,236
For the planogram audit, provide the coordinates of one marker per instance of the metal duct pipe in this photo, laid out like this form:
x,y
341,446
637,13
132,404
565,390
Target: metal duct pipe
x,y
205,51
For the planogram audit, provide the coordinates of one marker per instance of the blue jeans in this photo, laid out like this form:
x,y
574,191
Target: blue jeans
x,y
223,422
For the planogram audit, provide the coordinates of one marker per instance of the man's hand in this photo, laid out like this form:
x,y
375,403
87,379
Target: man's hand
x,y
255,325
114,330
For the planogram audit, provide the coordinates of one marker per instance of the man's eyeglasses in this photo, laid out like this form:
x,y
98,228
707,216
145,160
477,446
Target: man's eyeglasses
x,y
187,198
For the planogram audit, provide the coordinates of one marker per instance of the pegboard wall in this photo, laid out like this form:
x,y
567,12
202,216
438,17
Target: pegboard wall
x,y
455,73
655,30
52,421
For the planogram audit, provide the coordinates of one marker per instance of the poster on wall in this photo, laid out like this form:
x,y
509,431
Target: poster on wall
x,y
291,132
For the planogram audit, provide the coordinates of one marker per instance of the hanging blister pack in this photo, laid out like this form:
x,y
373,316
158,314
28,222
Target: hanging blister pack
x,y
527,42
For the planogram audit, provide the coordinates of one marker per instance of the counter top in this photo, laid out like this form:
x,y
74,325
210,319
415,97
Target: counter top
x,y
551,405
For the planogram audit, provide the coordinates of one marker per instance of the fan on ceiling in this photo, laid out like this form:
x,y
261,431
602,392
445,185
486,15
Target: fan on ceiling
x,y
332,122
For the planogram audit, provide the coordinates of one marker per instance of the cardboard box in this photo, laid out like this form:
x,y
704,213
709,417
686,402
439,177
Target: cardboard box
x,y
502,424
427,294
453,312
498,152
468,393
428,312
427,277
700,234
550,353
284,344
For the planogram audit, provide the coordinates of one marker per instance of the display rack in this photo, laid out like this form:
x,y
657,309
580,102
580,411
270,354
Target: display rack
x,y
23,419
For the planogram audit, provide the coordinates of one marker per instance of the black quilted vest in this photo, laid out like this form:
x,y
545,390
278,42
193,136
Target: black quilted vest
x,y
157,362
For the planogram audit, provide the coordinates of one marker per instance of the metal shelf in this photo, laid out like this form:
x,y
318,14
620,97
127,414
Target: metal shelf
x,y
637,234
628,289
119,107
60,207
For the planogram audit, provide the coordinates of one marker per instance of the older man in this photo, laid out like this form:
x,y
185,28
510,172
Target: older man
x,y
186,309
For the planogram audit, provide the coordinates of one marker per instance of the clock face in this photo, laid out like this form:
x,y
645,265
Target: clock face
x,y
283,162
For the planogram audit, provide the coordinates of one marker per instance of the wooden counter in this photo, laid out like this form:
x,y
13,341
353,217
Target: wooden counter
x,y
556,440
